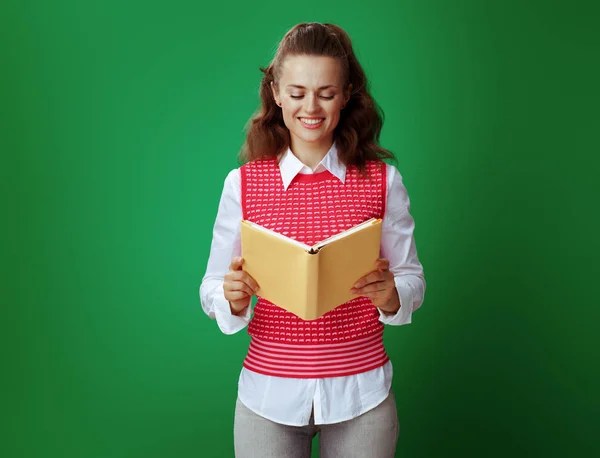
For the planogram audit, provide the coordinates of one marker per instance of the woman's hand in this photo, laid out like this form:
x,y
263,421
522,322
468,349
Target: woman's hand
x,y
379,286
239,287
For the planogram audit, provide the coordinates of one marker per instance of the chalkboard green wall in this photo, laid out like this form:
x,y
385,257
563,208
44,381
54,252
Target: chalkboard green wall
x,y
120,121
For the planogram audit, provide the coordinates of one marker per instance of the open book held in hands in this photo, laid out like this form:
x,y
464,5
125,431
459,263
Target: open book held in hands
x,y
309,281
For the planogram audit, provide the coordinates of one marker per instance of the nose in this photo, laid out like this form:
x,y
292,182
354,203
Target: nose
x,y
312,104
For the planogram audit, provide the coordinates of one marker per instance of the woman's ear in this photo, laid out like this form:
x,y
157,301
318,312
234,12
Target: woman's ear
x,y
275,93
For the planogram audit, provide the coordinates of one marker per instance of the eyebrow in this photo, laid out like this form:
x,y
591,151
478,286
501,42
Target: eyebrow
x,y
302,87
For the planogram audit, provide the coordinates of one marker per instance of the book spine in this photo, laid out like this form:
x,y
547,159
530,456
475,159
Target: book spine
x,y
312,285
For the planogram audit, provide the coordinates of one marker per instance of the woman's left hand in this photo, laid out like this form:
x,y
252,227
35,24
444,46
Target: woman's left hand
x,y
379,286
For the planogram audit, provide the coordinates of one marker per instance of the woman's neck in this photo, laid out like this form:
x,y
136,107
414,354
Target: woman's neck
x,y
310,154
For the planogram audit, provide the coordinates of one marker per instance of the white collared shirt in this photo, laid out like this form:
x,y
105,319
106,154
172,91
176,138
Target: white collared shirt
x,y
291,401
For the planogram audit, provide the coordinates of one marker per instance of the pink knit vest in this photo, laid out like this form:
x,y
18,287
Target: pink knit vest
x,y
347,340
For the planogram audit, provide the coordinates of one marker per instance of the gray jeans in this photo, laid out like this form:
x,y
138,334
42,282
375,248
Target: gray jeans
x,y
371,435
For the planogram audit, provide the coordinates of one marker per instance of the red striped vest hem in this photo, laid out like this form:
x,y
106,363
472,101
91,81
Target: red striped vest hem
x,y
339,359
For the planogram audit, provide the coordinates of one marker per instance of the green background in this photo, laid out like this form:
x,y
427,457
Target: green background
x,y
120,121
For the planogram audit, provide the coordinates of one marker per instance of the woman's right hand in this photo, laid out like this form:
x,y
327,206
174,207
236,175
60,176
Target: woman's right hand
x,y
239,287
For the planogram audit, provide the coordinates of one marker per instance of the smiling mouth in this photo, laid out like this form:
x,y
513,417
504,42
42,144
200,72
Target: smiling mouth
x,y
312,123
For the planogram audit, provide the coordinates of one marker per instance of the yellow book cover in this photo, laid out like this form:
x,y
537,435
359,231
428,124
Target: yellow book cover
x,y
309,281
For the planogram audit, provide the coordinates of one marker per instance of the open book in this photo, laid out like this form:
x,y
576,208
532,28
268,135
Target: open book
x,y
309,281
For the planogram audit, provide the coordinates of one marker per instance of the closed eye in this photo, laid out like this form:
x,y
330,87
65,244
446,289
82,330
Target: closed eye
x,y
323,97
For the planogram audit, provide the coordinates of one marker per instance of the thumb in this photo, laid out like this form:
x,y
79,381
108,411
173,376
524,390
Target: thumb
x,y
383,264
236,263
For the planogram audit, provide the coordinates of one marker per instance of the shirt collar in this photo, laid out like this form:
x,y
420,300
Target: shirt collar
x,y
290,166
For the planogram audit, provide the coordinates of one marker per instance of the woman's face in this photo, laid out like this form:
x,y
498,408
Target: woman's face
x,y
311,95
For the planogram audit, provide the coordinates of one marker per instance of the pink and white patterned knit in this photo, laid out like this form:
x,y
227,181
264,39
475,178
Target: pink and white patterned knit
x,y
347,340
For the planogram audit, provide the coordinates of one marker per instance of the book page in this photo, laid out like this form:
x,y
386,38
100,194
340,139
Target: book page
x,y
279,267
343,262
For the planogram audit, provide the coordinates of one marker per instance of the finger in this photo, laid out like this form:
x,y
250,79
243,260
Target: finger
x,y
236,296
372,295
372,277
370,288
383,264
251,282
363,280
236,263
237,281
238,286
240,275
235,275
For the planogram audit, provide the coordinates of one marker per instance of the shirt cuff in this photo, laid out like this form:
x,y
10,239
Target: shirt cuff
x,y
404,313
229,323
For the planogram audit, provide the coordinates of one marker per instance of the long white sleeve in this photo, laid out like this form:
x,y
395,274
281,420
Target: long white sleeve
x,y
224,247
398,246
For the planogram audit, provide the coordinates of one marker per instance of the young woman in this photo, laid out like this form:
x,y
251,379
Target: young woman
x,y
313,168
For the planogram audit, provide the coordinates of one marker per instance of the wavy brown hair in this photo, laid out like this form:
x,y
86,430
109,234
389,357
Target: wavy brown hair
x,y
357,133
